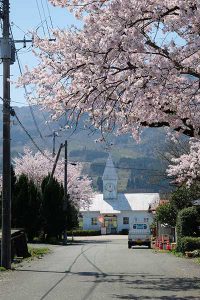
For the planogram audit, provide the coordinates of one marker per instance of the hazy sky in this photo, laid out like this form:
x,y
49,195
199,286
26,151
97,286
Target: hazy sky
x,y
25,17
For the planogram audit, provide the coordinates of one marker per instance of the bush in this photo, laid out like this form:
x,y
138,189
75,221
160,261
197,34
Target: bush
x,y
189,244
84,232
187,224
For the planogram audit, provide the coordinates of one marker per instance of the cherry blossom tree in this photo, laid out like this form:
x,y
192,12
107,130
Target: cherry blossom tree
x,y
186,168
37,166
135,63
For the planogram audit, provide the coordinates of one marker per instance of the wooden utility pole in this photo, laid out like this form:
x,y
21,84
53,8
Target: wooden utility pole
x,y
65,192
6,195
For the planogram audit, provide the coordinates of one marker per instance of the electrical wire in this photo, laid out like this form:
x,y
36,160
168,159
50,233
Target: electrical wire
x,y
13,113
26,92
47,5
25,33
44,13
40,16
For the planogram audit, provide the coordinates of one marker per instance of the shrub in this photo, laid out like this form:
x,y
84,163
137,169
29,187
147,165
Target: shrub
x,y
84,232
189,244
187,224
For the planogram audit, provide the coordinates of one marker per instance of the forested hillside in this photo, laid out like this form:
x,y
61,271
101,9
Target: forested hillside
x,y
138,165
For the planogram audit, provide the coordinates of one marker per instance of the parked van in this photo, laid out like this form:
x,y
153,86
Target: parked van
x,y
139,234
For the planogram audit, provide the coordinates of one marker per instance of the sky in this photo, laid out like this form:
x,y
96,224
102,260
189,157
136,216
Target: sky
x,y
29,15
26,16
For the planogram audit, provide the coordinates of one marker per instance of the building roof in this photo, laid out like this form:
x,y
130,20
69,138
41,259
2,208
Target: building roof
x,y
109,171
124,202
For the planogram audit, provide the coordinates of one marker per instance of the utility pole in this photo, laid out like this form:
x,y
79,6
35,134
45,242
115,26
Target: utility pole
x,y
65,191
54,144
65,173
54,135
55,163
6,195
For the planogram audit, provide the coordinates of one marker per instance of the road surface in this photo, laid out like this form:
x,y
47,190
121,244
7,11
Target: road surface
x,y
103,268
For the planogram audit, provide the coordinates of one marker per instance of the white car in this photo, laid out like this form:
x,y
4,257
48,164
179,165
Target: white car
x,y
139,234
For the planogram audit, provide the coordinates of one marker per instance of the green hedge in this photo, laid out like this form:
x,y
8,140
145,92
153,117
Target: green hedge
x,y
124,231
188,243
84,232
186,225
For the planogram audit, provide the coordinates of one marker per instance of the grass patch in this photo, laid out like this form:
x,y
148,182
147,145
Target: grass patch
x,y
177,254
160,250
2,269
197,260
38,252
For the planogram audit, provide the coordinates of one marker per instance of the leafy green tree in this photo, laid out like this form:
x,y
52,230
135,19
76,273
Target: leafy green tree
x,y
26,207
183,197
52,207
71,214
187,222
180,199
187,225
165,214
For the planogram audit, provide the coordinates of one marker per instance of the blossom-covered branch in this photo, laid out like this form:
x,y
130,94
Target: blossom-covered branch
x,y
135,63
186,168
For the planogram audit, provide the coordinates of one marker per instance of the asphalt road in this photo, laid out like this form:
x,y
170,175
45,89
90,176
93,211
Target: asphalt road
x,y
103,269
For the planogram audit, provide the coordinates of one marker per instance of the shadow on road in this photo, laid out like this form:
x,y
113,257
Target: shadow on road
x,y
147,284
138,281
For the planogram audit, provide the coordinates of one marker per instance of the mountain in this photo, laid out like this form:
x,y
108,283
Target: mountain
x,y
139,168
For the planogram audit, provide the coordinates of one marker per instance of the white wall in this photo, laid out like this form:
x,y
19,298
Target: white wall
x,y
87,219
132,215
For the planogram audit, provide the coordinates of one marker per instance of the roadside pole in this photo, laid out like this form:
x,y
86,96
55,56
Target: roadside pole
x,y
65,194
6,194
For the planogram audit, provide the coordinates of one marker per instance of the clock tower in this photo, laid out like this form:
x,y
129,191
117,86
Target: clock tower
x,y
109,180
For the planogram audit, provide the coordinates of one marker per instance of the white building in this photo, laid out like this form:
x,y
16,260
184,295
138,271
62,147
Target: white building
x,y
113,212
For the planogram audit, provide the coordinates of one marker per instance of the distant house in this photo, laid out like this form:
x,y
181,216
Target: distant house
x,y
113,212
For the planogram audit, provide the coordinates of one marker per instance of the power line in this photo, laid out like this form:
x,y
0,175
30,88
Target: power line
x,y
47,5
45,17
13,113
40,16
12,23
26,92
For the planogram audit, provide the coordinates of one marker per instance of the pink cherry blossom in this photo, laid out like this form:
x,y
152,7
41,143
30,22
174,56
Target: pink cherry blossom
x,y
37,166
116,68
134,63
186,168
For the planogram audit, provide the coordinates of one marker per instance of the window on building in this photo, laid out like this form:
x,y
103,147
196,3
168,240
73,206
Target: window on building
x,y
94,221
146,220
125,220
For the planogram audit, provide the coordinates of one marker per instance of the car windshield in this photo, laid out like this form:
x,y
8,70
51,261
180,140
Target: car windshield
x,y
139,226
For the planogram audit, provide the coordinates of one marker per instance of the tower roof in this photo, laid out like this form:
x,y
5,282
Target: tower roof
x,y
109,171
